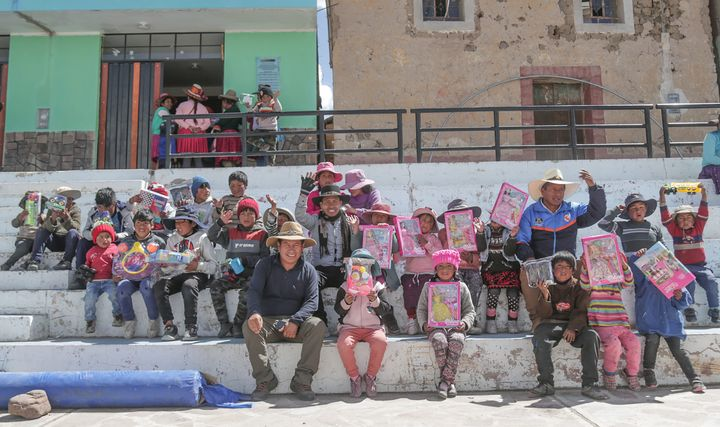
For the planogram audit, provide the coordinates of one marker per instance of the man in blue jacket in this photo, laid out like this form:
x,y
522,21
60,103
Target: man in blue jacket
x,y
281,299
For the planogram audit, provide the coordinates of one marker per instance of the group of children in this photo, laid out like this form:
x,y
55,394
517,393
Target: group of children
x,y
333,218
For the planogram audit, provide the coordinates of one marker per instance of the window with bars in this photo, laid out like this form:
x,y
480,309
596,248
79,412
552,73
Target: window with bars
x,y
4,49
162,46
442,10
601,11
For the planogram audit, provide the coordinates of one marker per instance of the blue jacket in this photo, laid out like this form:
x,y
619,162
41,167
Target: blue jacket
x,y
655,314
543,233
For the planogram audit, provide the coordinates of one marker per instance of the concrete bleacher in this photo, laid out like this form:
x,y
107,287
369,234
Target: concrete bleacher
x,y
42,325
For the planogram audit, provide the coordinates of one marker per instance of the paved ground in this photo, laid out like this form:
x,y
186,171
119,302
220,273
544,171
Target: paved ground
x,y
665,406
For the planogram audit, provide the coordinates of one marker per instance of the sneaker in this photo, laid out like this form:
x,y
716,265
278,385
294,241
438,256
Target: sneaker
x,y
90,327
491,326
170,333
593,392
543,390
442,390
225,330
714,314
302,391
633,381
690,315
370,386
263,389
356,387
63,265
697,386
117,320
129,329
512,326
190,333
153,328
650,380
237,331
413,328
452,391
609,380
32,266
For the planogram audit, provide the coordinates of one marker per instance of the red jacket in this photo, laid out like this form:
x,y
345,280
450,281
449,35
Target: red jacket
x,y
101,260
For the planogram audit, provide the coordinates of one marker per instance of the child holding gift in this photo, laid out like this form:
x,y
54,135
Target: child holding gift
x,y
361,320
26,232
447,343
99,259
686,228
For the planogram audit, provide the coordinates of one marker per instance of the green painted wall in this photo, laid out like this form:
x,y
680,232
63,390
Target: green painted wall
x,y
298,69
61,73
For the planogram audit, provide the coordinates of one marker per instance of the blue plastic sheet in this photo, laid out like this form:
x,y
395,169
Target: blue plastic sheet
x,y
117,389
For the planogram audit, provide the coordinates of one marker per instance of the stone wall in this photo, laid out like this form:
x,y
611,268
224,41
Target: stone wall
x,y
49,151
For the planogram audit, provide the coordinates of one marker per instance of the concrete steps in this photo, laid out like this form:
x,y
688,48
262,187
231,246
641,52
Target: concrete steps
x,y
501,362
23,327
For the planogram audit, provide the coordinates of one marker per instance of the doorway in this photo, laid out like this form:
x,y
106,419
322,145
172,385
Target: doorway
x,y
555,93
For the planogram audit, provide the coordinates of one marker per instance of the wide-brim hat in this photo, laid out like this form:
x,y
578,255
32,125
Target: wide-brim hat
x,y
291,230
650,204
427,211
284,211
230,95
186,213
331,191
380,208
684,209
196,92
552,176
328,167
460,205
356,179
68,192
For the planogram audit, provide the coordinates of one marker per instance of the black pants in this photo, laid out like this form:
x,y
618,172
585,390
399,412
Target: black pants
x,y
218,289
190,284
548,335
675,344
330,277
22,248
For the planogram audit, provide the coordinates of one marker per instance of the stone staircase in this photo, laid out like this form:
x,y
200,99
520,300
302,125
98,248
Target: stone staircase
x,y
42,325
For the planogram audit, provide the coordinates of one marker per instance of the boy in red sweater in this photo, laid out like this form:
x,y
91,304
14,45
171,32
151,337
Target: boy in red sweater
x,y
100,258
686,228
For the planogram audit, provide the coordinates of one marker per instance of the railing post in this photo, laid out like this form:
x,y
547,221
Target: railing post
x,y
168,142
573,134
244,129
320,119
666,131
418,137
648,132
399,124
496,131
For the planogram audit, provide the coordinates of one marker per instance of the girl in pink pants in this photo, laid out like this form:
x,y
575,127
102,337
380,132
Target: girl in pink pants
x,y
607,316
360,319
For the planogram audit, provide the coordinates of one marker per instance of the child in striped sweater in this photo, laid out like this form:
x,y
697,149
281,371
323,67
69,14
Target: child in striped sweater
x,y
607,316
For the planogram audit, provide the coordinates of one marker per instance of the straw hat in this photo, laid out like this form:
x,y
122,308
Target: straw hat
x,y
230,95
68,192
291,231
552,176
196,92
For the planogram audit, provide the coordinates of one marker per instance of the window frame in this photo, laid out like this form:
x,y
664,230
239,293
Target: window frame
x,y
201,45
466,23
625,15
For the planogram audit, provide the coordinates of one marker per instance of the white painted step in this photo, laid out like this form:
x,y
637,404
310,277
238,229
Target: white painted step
x,y
23,327
36,280
502,362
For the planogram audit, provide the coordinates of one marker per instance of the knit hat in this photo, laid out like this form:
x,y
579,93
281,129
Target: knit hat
x,y
156,187
650,204
248,203
364,253
197,182
446,256
103,224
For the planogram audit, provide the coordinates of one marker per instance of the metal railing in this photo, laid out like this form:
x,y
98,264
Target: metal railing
x,y
667,124
319,132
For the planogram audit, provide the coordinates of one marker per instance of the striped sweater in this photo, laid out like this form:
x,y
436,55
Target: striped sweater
x,y
606,305
688,244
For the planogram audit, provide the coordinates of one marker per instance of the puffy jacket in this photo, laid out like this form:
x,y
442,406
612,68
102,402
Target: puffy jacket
x,y
122,221
359,313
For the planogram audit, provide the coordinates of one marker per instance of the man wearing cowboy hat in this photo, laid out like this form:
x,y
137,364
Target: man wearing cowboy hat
x,y
550,224
59,230
282,297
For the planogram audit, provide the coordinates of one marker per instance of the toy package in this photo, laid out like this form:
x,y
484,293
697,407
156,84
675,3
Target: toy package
x,y
460,231
408,230
181,195
509,206
539,270
377,239
153,201
57,203
663,270
444,305
603,260
33,203
360,280
682,187
164,256
134,263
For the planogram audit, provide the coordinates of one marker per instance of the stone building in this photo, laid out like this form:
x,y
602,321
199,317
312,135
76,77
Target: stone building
x,y
477,53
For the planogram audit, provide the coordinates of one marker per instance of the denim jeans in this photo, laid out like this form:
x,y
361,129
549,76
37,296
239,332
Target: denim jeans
x,y
126,288
706,279
56,243
92,293
548,335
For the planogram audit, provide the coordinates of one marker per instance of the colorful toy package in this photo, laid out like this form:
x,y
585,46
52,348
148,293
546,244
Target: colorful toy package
x,y
377,239
57,203
539,270
408,230
181,195
153,201
164,256
603,260
509,206
663,270
444,305
360,280
134,263
460,231
33,202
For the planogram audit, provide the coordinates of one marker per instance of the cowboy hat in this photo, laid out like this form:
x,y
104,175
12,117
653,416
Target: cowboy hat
x,y
460,205
68,192
186,213
355,179
650,204
682,209
330,191
380,208
552,176
196,92
291,231
230,95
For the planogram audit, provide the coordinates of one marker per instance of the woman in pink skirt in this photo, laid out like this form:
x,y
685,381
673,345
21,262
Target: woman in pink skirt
x,y
230,144
193,105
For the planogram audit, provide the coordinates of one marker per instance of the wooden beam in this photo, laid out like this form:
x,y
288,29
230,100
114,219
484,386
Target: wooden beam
x,y
134,116
103,116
